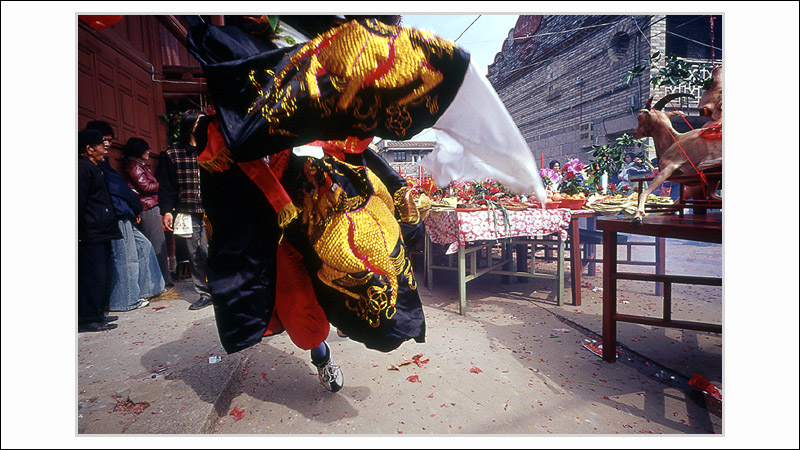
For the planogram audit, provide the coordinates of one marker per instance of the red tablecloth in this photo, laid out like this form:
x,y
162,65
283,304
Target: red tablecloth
x,y
459,227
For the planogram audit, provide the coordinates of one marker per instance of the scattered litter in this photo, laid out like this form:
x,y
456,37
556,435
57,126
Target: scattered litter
x,y
700,382
214,359
129,406
594,347
563,330
475,370
416,359
413,378
596,289
237,414
157,308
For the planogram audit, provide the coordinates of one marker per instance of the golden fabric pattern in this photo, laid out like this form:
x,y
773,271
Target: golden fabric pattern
x,y
353,57
408,272
406,206
354,238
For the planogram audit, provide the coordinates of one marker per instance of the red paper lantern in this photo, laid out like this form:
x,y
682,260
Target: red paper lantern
x,y
100,22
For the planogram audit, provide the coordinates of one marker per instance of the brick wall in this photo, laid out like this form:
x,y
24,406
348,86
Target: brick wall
x,y
557,81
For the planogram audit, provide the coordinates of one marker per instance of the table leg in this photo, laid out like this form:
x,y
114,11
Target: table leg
x,y
428,262
575,261
462,284
560,280
522,260
506,255
609,296
660,262
591,250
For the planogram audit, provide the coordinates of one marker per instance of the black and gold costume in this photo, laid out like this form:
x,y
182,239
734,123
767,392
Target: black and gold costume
x,y
344,220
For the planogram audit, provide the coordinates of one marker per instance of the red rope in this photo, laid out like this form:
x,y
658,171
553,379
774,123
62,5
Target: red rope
x,y
701,174
681,114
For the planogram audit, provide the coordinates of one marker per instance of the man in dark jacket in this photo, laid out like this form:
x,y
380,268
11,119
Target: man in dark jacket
x,y
179,193
97,227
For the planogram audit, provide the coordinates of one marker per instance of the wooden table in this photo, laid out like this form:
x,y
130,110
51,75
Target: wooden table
x,y
695,227
683,182
576,261
469,232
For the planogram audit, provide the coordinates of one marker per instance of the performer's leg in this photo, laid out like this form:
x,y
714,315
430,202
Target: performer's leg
x,y
330,375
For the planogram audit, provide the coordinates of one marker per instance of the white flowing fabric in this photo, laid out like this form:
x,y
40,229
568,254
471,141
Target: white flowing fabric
x,y
477,139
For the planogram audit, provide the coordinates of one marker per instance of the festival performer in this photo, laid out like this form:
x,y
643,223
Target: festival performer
x,y
327,226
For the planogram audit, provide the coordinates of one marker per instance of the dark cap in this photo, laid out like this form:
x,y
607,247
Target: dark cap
x,y
89,137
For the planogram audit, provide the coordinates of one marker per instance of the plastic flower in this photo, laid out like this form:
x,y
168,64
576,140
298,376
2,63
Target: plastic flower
x,y
573,166
550,178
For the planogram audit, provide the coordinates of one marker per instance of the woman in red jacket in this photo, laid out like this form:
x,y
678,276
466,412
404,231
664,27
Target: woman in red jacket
x,y
141,179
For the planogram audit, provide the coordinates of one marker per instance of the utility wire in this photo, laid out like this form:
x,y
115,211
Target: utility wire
x,y
640,31
567,31
465,29
692,40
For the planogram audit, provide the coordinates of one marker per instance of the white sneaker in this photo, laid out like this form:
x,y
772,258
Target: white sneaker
x,y
144,304
330,375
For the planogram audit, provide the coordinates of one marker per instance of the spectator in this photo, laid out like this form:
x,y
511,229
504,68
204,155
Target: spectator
x,y
145,185
97,228
555,165
179,200
135,274
633,168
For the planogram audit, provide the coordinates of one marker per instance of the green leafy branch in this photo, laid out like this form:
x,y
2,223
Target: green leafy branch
x,y
173,121
674,72
610,158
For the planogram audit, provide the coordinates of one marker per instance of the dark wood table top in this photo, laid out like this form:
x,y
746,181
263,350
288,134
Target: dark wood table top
x,y
694,227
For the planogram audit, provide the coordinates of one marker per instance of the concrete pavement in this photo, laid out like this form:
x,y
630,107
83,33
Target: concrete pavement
x,y
514,365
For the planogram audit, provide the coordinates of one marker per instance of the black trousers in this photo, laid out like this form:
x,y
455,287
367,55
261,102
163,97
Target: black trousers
x,y
94,259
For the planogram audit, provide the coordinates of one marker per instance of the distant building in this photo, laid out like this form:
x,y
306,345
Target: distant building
x,y
403,156
561,76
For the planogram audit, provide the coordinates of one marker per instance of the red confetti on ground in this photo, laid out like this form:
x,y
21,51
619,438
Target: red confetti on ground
x,y
475,370
237,414
157,308
413,378
417,360
264,375
129,406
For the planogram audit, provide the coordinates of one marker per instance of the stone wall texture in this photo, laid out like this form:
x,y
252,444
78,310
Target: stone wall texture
x,y
564,85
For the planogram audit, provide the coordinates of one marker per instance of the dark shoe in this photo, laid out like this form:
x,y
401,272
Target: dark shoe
x,y
169,285
108,319
200,304
96,326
